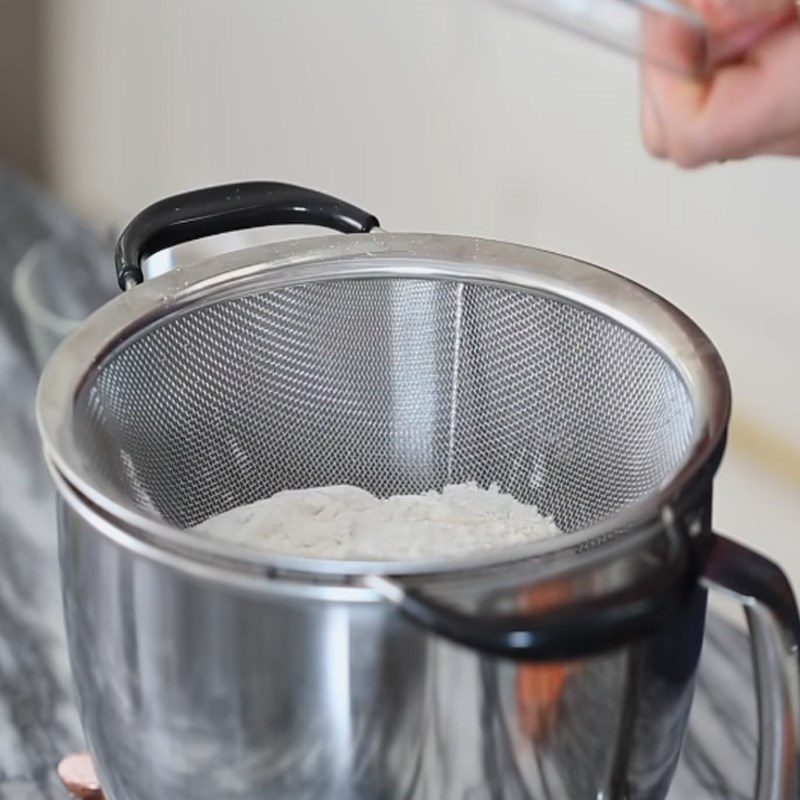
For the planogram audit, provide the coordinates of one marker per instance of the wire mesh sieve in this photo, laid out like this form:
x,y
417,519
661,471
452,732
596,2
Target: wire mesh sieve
x,y
394,384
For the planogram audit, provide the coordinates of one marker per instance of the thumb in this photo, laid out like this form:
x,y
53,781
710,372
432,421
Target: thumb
x,y
721,15
730,39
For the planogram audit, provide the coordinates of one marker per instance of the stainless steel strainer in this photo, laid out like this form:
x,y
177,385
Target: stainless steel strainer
x,y
397,384
402,363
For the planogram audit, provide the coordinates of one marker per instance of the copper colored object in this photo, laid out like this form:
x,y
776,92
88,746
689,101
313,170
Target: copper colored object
x,y
78,776
540,686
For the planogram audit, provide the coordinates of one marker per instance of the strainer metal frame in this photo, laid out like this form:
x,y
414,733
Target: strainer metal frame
x,y
376,255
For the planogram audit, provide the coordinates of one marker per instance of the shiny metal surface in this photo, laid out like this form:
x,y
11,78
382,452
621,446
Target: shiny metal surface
x,y
436,358
192,689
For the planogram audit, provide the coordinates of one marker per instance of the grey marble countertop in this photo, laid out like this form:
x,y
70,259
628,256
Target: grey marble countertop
x,y
38,721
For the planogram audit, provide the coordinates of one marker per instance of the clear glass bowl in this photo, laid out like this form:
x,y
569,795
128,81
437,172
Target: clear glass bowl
x,y
57,284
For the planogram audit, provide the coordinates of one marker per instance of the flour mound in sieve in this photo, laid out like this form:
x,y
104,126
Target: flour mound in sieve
x,y
346,523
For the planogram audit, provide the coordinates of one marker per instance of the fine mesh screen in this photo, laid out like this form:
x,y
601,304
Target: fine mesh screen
x,y
396,385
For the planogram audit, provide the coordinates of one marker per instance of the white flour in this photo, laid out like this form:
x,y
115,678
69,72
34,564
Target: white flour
x,y
342,522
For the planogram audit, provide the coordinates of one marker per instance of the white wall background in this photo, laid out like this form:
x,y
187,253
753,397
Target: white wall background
x,y
449,115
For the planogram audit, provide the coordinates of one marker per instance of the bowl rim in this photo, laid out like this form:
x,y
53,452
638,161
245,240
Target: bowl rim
x,y
22,291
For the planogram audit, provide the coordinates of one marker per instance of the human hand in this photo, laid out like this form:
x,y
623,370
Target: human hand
x,y
745,108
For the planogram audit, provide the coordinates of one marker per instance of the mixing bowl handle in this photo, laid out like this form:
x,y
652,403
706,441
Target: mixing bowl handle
x,y
222,209
772,615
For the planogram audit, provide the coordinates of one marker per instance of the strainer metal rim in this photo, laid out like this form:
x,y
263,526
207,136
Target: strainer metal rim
x,y
375,255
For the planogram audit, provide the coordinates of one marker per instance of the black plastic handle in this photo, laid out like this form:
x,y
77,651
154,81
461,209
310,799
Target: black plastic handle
x,y
749,574
582,628
222,209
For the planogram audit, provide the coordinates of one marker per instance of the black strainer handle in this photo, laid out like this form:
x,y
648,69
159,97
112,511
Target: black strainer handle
x,y
575,630
222,209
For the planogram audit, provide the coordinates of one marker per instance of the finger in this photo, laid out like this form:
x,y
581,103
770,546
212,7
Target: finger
x,y
671,43
731,41
722,15
651,124
671,52
784,147
676,104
